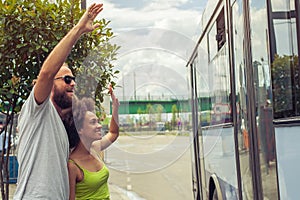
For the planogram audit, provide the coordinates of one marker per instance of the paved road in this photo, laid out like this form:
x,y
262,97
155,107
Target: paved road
x,y
152,168
149,168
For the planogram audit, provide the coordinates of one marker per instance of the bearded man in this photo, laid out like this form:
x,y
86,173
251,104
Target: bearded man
x,y
43,148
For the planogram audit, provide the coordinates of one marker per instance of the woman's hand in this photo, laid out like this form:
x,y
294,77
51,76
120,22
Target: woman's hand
x,y
115,100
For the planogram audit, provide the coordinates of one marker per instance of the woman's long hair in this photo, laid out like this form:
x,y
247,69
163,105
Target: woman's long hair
x,y
73,120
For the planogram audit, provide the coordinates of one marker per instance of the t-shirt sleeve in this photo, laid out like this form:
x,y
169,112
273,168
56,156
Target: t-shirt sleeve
x,y
32,107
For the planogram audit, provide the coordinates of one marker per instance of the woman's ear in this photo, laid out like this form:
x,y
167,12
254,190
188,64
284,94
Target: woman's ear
x,y
80,132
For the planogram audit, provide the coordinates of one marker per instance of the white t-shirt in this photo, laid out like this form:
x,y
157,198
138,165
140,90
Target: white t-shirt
x,y
43,151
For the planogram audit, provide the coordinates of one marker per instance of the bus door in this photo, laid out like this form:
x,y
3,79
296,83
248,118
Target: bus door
x,y
195,150
284,45
255,130
267,82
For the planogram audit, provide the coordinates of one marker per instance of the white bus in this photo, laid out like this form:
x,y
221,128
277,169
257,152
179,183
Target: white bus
x,y
246,58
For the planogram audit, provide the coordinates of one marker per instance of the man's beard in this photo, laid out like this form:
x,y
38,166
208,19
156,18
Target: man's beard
x,y
62,99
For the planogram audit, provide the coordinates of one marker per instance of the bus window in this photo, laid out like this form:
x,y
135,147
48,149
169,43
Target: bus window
x,y
221,37
284,59
216,35
284,30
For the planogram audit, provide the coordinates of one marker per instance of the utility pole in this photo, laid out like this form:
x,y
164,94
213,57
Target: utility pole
x,y
83,4
134,85
123,87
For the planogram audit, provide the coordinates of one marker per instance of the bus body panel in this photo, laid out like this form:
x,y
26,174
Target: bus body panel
x,y
252,46
288,161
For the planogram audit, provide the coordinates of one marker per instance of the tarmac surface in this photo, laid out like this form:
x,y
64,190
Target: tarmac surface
x,y
148,168
116,193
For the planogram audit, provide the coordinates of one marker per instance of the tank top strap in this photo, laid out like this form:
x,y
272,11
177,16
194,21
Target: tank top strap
x,y
72,161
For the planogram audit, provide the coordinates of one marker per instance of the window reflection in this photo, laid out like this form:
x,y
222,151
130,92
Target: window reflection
x,y
241,104
220,88
284,59
283,5
215,89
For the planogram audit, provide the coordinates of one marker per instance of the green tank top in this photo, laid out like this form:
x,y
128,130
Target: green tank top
x,y
94,185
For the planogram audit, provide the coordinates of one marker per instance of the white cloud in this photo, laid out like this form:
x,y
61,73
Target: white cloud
x,y
158,14
165,4
156,40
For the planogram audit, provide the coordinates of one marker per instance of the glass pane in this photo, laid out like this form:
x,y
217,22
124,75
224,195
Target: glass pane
x,y
216,142
264,107
282,5
285,70
213,46
241,95
285,80
194,153
220,88
202,58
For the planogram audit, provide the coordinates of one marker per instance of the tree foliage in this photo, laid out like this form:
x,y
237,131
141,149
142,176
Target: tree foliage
x,y
29,30
285,82
174,112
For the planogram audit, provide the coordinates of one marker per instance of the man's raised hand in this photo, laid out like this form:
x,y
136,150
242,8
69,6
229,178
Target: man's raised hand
x,y
86,22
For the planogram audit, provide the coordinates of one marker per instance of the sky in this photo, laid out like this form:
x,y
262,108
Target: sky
x,y
156,39
178,15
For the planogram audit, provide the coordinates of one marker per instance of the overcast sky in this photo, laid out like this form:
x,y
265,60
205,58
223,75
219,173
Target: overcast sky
x,y
156,39
177,15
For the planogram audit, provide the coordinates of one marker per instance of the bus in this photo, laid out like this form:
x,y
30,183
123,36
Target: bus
x,y
246,59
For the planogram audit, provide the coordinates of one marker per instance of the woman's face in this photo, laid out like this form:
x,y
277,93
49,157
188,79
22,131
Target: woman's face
x,y
91,129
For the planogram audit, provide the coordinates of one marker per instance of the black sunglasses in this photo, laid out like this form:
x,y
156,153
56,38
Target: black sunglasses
x,y
68,79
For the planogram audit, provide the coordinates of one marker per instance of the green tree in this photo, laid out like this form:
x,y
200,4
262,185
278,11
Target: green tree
x,y
29,30
285,82
150,112
174,111
159,110
140,112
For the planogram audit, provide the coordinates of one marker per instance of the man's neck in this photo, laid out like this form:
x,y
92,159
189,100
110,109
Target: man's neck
x,y
61,111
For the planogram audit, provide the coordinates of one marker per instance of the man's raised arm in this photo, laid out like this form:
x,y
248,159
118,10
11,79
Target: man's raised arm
x,y
59,54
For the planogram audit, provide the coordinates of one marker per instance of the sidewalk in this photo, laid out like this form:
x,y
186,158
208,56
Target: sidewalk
x,y
116,193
